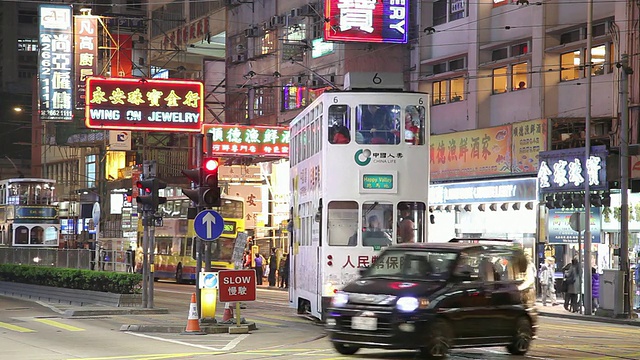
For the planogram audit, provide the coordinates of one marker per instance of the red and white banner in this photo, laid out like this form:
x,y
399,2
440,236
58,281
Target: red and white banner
x,y
86,54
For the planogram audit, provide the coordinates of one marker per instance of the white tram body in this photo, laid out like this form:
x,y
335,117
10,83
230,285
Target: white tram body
x,y
355,192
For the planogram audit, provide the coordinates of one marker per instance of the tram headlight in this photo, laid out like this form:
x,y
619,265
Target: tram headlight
x,y
340,299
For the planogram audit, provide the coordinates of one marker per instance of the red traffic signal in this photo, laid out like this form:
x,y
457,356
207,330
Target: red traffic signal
x,y
210,165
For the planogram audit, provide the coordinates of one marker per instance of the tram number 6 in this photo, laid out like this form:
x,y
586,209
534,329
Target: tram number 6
x,y
420,101
335,99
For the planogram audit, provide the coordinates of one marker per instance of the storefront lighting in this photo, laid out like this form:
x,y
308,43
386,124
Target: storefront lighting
x,y
567,201
448,208
529,205
596,201
557,203
516,206
504,206
481,207
578,200
458,208
467,208
606,199
493,207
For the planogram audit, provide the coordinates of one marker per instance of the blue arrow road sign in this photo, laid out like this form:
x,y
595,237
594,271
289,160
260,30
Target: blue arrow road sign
x,y
208,225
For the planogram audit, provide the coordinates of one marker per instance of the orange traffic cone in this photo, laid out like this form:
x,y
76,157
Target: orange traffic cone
x,y
228,313
193,324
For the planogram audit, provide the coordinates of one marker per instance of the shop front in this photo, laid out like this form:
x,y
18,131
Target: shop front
x,y
561,181
498,209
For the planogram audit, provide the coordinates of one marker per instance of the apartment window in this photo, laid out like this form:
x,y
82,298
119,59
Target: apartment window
x,y
264,101
599,30
598,60
439,91
456,92
500,80
519,76
570,65
439,12
456,9
28,45
440,68
457,64
570,36
27,17
90,170
499,54
520,49
266,44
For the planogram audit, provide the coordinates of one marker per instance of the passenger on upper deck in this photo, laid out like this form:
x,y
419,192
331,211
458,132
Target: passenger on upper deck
x,y
341,135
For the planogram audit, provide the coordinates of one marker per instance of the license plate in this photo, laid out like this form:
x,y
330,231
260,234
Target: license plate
x,y
364,323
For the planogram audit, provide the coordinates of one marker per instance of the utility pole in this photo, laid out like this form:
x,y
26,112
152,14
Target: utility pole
x,y
145,241
624,180
586,297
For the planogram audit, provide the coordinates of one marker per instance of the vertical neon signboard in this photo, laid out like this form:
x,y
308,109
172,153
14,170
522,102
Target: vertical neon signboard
x,y
86,56
56,62
379,21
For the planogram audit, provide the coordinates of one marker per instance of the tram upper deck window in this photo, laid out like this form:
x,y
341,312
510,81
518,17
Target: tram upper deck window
x,y
339,124
414,125
30,193
378,124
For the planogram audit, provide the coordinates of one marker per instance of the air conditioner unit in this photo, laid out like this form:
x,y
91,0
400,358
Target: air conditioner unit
x,y
276,21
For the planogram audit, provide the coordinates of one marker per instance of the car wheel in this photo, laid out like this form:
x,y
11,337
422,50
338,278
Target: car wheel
x,y
179,275
438,341
345,349
522,338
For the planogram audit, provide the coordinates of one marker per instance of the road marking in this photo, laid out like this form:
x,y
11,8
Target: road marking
x,y
286,318
150,356
263,322
232,344
59,325
15,328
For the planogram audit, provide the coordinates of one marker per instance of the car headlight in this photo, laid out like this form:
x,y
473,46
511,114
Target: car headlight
x,y
407,304
340,299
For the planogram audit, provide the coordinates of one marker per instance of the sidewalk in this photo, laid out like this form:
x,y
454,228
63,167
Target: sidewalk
x,y
558,311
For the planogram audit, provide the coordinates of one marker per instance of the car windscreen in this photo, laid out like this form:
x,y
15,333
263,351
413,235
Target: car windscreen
x,y
412,264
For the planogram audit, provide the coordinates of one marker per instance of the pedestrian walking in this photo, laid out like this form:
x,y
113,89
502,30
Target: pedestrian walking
x,y
258,268
545,277
636,277
571,276
273,263
595,289
551,264
285,272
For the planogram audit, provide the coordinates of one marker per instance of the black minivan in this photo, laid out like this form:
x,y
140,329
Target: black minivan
x,y
434,297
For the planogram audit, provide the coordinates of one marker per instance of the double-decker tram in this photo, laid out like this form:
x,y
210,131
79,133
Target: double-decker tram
x,y
28,213
174,240
359,181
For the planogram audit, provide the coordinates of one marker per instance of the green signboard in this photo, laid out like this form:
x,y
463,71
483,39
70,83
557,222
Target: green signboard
x,y
373,181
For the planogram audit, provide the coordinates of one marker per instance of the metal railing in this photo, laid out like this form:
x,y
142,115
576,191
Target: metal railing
x,y
108,260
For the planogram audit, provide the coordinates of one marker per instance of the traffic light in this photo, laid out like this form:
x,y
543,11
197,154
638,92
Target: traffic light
x,y
149,195
211,194
206,192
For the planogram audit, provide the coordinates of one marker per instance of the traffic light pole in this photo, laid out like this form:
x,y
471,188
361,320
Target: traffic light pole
x,y
207,244
151,229
146,173
197,241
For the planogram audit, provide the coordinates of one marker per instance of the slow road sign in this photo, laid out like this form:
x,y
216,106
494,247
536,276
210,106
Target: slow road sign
x,y
237,285
208,225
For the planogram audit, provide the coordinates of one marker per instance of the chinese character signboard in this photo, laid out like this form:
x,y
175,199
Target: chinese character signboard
x,y
483,191
559,226
86,55
381,21
248,140
144,104
529,139
56,62
237,285
567,170
471,153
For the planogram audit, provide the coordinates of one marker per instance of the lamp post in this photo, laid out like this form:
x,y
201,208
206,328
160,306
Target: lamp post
x,y
587,149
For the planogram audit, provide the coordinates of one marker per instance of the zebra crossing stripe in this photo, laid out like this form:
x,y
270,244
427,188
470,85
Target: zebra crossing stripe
x,y
15,328
59,325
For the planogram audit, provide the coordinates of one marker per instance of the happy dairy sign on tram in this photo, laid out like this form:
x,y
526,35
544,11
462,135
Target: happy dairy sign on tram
x,y
144,104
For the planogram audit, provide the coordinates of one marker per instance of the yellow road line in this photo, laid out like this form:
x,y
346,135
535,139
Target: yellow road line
x,y
150,356
59,325
15,328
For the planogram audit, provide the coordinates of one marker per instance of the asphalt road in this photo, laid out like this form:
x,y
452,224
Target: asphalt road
x,y
31,331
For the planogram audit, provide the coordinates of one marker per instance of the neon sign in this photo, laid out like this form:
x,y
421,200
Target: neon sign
x,y
380,21
86,56
144,104
248,140
567,170
55,78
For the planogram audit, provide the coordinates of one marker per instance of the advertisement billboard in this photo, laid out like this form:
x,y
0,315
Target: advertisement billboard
x,y
471,153
144,104
86,55
55,70
230,139
382,21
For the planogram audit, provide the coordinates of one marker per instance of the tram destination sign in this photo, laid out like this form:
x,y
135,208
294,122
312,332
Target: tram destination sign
x,y
144,104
